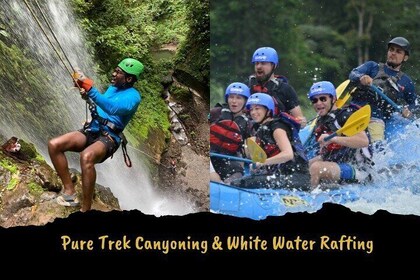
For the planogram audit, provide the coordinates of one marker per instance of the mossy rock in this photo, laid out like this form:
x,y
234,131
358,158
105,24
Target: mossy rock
x,y
181,94
29,150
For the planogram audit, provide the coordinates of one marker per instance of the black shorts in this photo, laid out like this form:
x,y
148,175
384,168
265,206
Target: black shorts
x,y
110,144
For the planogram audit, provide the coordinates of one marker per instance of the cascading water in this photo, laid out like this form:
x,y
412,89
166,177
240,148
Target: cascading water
x,y
54,107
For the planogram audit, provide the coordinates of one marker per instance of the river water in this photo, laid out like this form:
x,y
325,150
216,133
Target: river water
x,y
396,174
396,185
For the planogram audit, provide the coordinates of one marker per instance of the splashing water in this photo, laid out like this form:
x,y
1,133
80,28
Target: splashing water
x,y
132,186
396,185
396,179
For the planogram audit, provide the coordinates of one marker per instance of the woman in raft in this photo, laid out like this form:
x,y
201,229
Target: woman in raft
x,y
286,165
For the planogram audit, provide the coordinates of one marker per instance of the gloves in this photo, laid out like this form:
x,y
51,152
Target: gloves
x,y
81,80
83,94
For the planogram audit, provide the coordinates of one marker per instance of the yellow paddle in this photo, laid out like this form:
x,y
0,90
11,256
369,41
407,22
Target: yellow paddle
x,y
344,91
357,122
255,151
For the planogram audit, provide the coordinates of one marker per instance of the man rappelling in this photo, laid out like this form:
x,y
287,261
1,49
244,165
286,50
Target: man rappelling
x,y
102,136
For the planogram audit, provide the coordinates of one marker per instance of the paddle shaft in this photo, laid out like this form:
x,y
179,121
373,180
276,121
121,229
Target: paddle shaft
x,y
329,137
357,122
387,99
231,157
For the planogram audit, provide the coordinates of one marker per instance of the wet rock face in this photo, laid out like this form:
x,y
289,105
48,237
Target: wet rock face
x,y
177,127
19,149
29,187
12,148
12,145
185,163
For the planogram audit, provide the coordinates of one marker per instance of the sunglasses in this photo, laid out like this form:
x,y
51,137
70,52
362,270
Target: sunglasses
x,y
315,100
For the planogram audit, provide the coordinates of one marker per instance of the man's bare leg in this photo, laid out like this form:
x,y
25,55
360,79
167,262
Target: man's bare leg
x,y
73,141
88,158
324,170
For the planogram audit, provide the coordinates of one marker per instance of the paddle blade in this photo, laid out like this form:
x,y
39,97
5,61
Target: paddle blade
x,y
256,152
340,89
343,93
357,122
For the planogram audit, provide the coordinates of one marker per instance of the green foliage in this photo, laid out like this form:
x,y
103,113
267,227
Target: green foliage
x,y
12,183
170,18
217,94
39,158
30,150
130,28
35,188
316,39
6,164
152,113
194,53
181,94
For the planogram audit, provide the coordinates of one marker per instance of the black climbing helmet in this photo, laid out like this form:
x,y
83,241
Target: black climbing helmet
x,y
402,42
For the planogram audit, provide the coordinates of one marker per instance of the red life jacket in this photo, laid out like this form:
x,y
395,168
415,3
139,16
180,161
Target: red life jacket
x,y
265,138
324,129
334,152
329,125
228,132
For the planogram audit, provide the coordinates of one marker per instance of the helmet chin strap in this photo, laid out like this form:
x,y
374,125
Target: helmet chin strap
x,y
272,72
332,104
266,116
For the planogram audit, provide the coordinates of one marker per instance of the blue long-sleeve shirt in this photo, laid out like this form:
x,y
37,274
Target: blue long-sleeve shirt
x,y
115,105
405,84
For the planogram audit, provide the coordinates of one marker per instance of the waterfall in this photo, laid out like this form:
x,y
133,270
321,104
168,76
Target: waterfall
x,y
54,106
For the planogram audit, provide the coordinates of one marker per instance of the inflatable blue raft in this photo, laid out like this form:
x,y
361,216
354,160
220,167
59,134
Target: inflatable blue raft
x,y
259,203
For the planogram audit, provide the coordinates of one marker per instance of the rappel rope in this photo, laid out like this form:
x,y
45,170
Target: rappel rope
x,y
89,103
149,156
70,71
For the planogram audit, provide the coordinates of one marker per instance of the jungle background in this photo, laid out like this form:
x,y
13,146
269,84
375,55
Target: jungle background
x,y
167,36
315,39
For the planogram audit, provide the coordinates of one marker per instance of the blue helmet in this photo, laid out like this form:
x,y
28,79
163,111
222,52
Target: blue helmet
x,y
265,54
262,99
237,88
322,87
